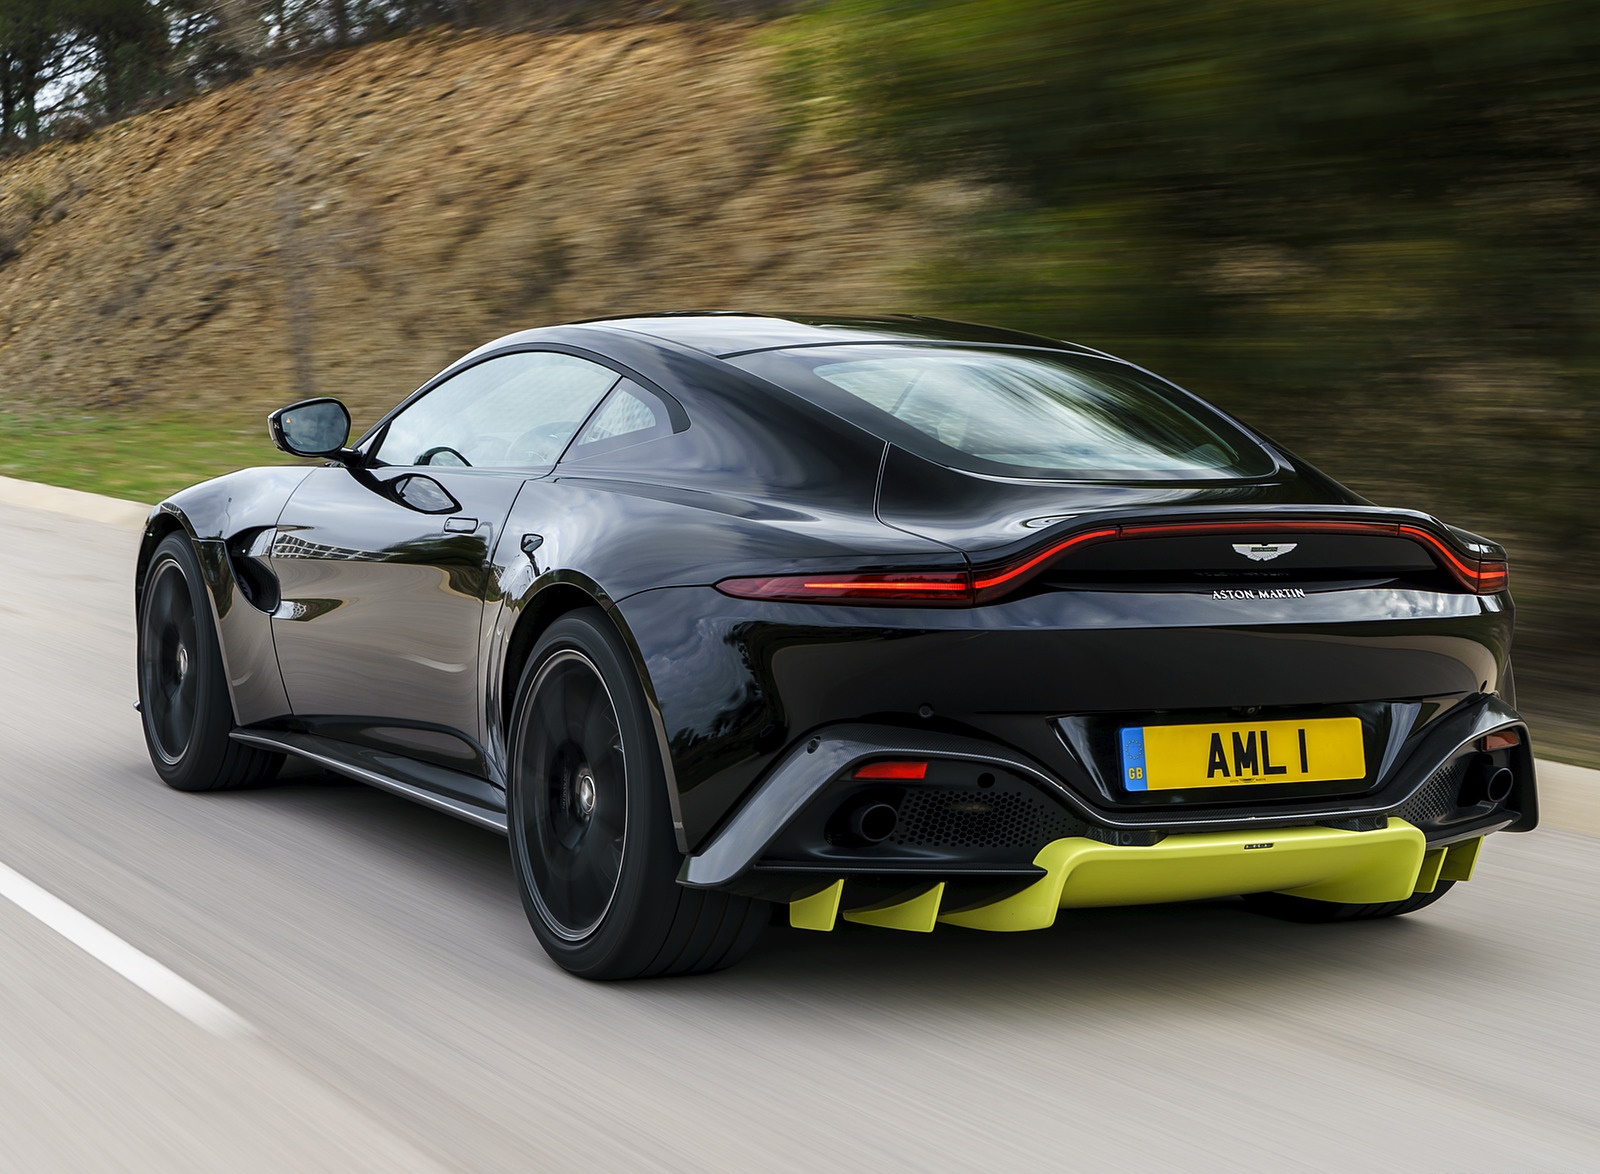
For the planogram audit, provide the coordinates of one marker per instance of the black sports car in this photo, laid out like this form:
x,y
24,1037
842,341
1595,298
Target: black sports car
x,y
893,619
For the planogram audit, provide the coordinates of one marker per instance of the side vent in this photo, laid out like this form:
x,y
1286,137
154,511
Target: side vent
x,y
257,583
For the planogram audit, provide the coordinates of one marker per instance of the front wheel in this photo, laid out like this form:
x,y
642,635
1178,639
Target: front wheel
x,y
183,689
591,833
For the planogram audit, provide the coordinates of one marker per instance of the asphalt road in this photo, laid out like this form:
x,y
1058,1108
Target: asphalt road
x,y
401,1017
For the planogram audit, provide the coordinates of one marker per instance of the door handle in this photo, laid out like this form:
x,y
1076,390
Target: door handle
x,y
460,525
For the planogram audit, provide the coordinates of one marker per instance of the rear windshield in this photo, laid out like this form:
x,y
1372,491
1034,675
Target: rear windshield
x,y
1018,413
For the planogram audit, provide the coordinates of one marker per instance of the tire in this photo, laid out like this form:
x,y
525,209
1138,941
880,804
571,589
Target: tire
x,y
592,847
1307,911
183,688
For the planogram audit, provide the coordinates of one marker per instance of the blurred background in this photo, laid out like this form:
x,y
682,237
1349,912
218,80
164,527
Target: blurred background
x,y
1368,227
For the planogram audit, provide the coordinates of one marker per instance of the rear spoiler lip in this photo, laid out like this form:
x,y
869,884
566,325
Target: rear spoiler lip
x,y
979,552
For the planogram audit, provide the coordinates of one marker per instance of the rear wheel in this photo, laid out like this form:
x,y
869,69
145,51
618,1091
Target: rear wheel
x,y
183,691
591,833
1303,909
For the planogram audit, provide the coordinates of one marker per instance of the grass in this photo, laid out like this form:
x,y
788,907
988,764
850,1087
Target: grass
x,y
132,455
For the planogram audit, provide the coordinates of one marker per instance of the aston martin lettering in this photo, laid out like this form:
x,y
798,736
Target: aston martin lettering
x,y
1258,593
1264,551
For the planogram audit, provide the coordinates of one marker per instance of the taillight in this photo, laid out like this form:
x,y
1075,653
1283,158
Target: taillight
x,y
935,588
1493,576
1499,740
1483,576
986,584
905,771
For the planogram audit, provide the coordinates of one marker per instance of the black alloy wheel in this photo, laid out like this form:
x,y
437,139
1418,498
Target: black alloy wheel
x,y
183,690
169,669
591,836
574,801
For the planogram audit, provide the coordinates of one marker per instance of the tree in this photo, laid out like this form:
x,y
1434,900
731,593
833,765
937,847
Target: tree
x,y
129,41
30,36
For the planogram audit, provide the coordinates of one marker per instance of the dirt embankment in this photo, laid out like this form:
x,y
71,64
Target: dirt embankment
x,y
393,206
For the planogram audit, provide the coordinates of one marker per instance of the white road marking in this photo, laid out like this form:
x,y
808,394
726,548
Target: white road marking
x,y
138,968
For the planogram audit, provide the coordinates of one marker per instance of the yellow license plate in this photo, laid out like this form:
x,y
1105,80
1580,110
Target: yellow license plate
x,y
1173,758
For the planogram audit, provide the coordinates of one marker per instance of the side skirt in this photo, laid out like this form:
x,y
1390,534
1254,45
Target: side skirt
x,y
462,795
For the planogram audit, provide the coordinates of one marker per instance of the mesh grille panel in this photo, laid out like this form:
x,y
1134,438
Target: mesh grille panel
x,y
1437,797
973,817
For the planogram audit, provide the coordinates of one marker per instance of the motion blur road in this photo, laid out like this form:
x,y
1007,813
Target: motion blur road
x,y
403,1018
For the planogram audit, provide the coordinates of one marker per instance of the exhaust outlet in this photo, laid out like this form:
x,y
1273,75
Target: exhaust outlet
x,y
873,823
1498,788
1486,782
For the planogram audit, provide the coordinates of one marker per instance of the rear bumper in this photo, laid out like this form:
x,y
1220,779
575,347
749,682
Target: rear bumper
x,y
738,685
1009,808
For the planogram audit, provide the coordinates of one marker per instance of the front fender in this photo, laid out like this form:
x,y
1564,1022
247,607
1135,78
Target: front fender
x,y
212,514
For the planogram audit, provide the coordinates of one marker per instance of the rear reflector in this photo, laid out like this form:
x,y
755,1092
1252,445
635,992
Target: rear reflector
x,y
892,770
1499,740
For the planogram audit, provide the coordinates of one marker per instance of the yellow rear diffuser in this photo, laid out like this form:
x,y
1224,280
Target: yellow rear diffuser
x,y
917,914
1460,859
819,910
1327,864
1452,863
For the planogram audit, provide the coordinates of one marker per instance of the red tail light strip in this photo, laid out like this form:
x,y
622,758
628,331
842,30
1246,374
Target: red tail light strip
x,y
936,588
1011,573
982,584
1482,576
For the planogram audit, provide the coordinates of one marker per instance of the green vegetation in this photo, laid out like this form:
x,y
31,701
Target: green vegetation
x,y
130,455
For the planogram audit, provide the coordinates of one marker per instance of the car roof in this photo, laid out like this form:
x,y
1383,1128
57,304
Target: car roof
x,y
725,333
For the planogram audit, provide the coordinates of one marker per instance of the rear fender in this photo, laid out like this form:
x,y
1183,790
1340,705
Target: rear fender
x,y
533,594
630,537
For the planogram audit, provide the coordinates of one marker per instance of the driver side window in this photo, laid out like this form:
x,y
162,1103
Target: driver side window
x,y
514,411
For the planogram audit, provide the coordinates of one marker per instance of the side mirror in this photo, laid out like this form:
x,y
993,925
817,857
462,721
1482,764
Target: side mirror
x,y
311,428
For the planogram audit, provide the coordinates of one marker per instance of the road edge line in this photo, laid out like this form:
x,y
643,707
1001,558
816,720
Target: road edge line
x,y
137,967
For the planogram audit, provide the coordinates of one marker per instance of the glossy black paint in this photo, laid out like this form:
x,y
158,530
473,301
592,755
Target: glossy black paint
x,y
749,677
381,614
356,566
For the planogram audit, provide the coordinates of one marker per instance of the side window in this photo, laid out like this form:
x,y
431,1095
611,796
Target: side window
x,y
515,411
630,415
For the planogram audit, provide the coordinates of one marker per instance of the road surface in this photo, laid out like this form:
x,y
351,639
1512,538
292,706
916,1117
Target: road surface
x,y
393,1013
